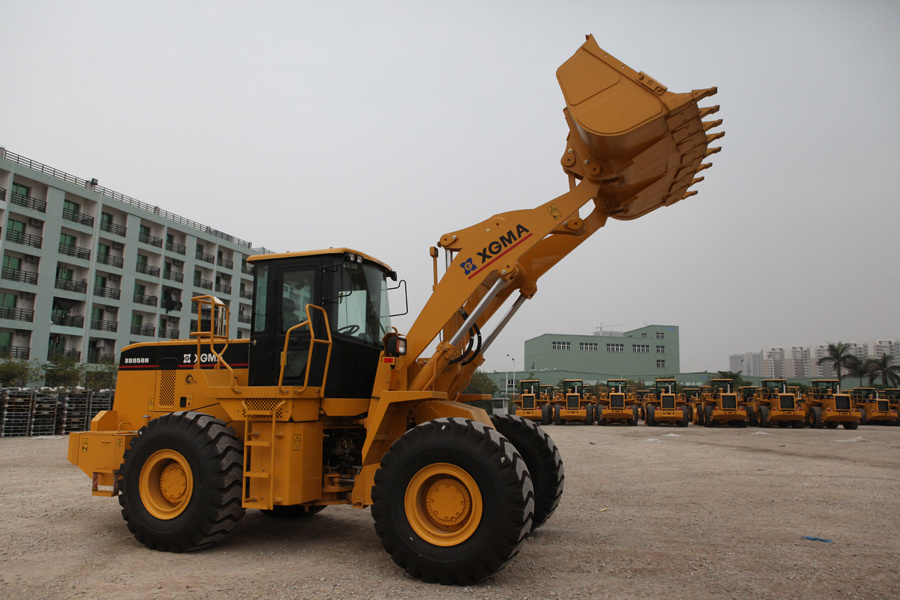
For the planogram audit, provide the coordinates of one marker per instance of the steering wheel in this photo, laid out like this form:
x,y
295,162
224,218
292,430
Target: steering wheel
x,y
348,329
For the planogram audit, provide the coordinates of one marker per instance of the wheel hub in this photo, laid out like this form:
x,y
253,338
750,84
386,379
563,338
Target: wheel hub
x,y
448,502
173,483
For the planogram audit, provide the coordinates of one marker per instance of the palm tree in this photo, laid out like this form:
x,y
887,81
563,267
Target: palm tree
x,y
735,376
882,367
838,355
857,367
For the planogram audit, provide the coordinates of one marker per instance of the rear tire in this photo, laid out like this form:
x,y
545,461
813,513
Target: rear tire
x,y
545,414
764,416
634,418
651,415
685,416
707,417
589,414
182,482
863,417
542,459
798,424
851,425
557,419
452,501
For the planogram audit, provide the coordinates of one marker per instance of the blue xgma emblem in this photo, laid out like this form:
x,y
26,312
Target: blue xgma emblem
x,y
468,266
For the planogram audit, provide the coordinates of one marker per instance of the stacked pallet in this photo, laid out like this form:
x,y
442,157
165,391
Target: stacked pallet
x,y
44,411
100,400
15,419
75,405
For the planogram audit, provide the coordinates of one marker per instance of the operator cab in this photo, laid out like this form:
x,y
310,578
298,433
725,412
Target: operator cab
x,y
351,290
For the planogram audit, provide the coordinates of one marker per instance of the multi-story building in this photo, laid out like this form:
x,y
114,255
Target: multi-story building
x,y
648,352
87,270
803,361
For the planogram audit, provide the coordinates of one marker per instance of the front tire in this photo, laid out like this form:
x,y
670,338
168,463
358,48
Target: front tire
x,y
542,459
182,482
452,501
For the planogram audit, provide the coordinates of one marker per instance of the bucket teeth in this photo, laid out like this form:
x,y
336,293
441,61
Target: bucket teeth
x,y
714,136
696,180
710,124
701,94
711,151
703,167
708,110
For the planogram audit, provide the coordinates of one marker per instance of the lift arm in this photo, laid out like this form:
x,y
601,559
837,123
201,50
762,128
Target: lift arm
x,y
632,147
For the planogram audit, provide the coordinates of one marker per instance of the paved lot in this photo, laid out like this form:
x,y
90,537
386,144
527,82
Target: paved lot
x,y
647,513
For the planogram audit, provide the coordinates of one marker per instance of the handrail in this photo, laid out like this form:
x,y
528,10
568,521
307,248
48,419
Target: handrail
x,y
312,342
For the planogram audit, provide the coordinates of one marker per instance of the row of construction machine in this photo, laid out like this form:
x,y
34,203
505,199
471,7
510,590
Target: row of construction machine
x,y
774,403
719,404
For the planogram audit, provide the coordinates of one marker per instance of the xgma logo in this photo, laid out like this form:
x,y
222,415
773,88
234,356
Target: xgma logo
x,y
495,249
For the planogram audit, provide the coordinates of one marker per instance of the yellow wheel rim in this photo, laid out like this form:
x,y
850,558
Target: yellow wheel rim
x,y
443,504
166,484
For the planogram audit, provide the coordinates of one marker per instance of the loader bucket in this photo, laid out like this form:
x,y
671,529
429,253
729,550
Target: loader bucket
x,y
644,144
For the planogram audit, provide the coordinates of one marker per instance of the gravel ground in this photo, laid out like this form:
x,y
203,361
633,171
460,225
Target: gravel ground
x,y
658,513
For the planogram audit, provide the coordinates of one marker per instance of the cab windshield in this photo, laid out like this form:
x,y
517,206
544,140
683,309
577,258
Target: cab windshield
x,y
361,309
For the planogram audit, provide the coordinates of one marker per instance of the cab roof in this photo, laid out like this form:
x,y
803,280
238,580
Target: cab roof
x,y
329,251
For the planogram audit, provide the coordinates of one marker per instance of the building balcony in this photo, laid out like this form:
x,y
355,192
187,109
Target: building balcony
x,y
109,259
18,275
247,294
106,292
28,202
76,251
26,239
51,354
20,352
246,269
2,193
143,330
146,300
176,248
203,283
17,314
101,325
77,217
223,288
113,228
205,257
224,262
71,286
99,358
67,321
173,276
244,319
146,238
171,334
147,270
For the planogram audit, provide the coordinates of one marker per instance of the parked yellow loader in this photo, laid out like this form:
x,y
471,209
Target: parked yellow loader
x,y
826,406
326,403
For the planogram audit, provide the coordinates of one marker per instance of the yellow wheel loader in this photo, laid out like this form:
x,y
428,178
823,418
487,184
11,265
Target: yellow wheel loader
x,y
719,405
666,405
618,404
529,402
778,405
827,406
576,406
326,403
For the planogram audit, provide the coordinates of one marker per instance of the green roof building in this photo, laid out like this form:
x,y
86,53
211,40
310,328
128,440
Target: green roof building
x,y
645,353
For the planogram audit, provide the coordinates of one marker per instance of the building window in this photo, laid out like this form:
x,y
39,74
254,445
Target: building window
x,y
562,346
615,347
641,348
72,207
660,364
588,346
660,349
660,335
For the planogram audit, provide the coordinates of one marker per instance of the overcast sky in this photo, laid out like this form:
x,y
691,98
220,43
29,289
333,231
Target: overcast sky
x,y
383,125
